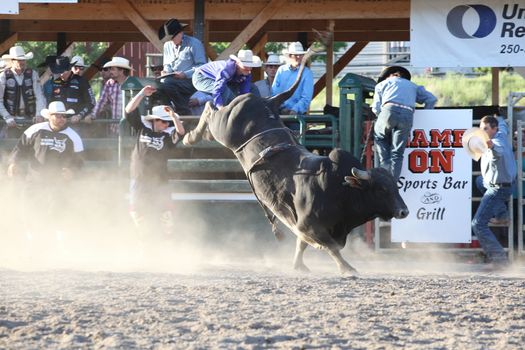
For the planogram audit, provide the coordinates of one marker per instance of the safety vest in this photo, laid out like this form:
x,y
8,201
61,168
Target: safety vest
x,y
68,92
13,91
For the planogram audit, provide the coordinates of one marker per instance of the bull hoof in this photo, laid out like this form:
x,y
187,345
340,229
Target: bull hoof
x,y
301,268
349,273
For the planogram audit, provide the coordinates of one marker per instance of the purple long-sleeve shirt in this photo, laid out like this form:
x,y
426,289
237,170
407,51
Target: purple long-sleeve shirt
x,y
224,72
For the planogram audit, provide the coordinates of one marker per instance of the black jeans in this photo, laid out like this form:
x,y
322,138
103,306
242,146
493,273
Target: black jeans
x,y
178,92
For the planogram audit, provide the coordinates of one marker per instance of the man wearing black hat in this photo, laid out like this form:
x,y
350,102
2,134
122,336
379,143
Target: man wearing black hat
x,y
182,54
395,98
71,89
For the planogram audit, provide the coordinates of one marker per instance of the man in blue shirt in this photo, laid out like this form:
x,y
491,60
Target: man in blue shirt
x,y
395,98
225,80
182,54
498,174
285,77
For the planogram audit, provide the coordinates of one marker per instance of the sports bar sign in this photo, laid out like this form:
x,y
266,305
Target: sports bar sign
x,y
459,33
436,180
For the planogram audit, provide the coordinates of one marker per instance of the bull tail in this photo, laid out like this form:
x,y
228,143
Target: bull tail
x,y
279,99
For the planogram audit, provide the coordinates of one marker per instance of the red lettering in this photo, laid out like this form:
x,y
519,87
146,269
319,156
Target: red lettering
x,y
418,161
440,137
458,136
419,140
441,160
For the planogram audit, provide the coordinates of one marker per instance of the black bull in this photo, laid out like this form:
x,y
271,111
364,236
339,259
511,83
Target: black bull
x,y
320,199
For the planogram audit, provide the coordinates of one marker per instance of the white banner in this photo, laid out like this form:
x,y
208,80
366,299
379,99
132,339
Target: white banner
x,y
436,180
459,33
9,7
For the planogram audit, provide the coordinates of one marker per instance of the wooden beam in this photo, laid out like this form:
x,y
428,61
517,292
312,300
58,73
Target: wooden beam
x,y
142,24
268,12
258,49
218,10
108,54
8,43
218,37
340,64
125,26
495,86
330,63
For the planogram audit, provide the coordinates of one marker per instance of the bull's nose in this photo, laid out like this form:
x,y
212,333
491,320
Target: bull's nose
x,y
402,213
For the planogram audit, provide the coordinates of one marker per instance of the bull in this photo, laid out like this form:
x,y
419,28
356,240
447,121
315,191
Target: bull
x,y
319,198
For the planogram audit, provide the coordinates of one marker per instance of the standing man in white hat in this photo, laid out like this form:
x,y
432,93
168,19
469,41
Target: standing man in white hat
x,y
498,175
119,69
51,147
182,54
20,90
225,80
299,103
157,135
270,68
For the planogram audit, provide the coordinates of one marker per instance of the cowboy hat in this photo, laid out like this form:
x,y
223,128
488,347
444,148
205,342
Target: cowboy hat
x,y
119,62
475,142
295,48
56,107
387,71
273,60
18,53
247,59
159,112
171,28
77,61
58,64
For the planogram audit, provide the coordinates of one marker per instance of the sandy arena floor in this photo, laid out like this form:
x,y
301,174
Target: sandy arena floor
x,y
265,305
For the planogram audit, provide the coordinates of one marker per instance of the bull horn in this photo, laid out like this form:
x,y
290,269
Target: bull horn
x,y
361,174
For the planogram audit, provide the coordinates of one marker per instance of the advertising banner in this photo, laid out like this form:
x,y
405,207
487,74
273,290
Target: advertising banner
x,y
436,180
458,33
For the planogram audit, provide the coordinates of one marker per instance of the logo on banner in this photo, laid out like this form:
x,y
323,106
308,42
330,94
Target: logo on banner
x,y
455,21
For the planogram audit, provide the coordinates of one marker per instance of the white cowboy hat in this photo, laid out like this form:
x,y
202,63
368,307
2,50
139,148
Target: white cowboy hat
x,y
475,142
56,107
247,59
18,53
273,60
77,61
295,48
159,112
119,62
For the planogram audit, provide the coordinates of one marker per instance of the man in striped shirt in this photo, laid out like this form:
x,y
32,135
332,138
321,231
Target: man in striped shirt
x,y
119,69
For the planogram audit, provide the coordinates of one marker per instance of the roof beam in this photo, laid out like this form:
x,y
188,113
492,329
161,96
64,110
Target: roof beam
x,y
216,37
136,18
249,31
8,43
215,10
340,64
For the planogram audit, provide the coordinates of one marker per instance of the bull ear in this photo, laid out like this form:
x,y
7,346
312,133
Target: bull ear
x,y
352,182
361,174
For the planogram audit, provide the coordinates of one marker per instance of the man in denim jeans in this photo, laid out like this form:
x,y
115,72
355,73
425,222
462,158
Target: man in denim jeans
x,y
498,174
395,98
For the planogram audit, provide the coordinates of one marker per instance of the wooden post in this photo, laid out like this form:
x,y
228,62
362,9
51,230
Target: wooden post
x,y
330,63
198,22
255,25
340,64
495,86
129,10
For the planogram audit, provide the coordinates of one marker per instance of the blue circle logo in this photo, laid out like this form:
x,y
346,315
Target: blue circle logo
x,y
487,21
